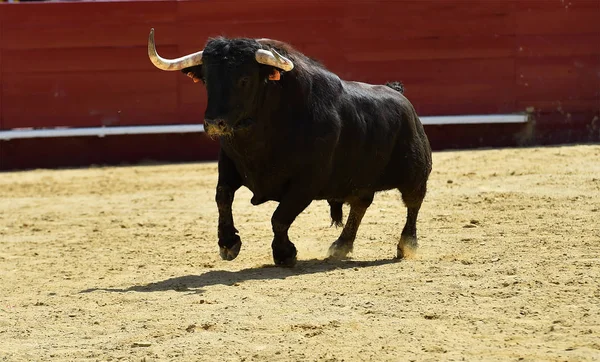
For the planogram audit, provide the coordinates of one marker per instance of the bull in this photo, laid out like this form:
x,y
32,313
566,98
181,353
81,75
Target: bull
x,y
293,132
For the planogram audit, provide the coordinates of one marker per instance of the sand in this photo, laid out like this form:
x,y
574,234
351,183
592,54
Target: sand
x,y
122,264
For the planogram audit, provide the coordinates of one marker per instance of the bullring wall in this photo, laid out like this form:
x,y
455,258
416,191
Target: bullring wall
x,y
85,64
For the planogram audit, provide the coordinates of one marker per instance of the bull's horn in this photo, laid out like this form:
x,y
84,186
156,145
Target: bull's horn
x,y
272,58
171,64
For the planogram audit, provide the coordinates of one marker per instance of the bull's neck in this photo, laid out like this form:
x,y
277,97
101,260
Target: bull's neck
x,y
245,143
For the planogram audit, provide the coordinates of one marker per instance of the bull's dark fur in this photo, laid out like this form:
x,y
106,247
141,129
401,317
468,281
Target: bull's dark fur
x,y
308,136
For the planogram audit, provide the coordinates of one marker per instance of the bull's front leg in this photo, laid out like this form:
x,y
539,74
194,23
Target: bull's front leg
x,y
229,182
291,205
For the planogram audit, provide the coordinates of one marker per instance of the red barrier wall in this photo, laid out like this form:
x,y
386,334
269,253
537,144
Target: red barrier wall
x,y
85,64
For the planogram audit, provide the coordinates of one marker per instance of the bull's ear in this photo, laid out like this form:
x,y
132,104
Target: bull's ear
x,y
194,73
193,76
275,74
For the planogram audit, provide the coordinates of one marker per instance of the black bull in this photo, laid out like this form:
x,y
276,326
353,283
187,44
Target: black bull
x,y
293,132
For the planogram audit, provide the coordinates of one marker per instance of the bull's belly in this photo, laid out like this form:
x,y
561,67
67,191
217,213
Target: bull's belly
x,y
333,189
369,174
349,188
338,192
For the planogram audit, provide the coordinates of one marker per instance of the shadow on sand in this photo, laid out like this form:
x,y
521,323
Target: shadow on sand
x,y
195,283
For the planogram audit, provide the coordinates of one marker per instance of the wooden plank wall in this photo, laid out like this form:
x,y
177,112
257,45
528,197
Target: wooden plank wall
x,y
85,63
557,64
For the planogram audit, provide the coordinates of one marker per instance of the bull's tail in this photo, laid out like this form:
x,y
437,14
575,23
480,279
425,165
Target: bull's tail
x,y
336,212
397,86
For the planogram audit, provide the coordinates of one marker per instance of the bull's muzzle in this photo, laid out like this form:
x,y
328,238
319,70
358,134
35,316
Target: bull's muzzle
x,y
216,127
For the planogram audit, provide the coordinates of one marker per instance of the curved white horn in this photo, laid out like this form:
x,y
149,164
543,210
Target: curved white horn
x,y
272,58
171,64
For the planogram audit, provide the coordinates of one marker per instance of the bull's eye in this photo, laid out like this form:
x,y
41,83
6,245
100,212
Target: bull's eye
x,y
243,81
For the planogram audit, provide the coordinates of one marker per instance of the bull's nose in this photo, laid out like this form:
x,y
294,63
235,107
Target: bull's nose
x,y
220,123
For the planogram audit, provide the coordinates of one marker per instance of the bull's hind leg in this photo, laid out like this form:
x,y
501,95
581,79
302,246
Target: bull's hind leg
x,y
408,240
344,244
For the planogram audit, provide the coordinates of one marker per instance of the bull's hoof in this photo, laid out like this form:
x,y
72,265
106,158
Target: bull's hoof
x,y
230,252
407,247
339,250
288,262
285,256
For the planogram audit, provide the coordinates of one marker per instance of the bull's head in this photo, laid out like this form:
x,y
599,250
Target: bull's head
x,y
235,72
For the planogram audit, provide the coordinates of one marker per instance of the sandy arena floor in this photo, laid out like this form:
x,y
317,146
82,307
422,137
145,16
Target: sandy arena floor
x,y
121,264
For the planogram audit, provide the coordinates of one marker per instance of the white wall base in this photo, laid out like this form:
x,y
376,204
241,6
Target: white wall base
x,y
21,133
